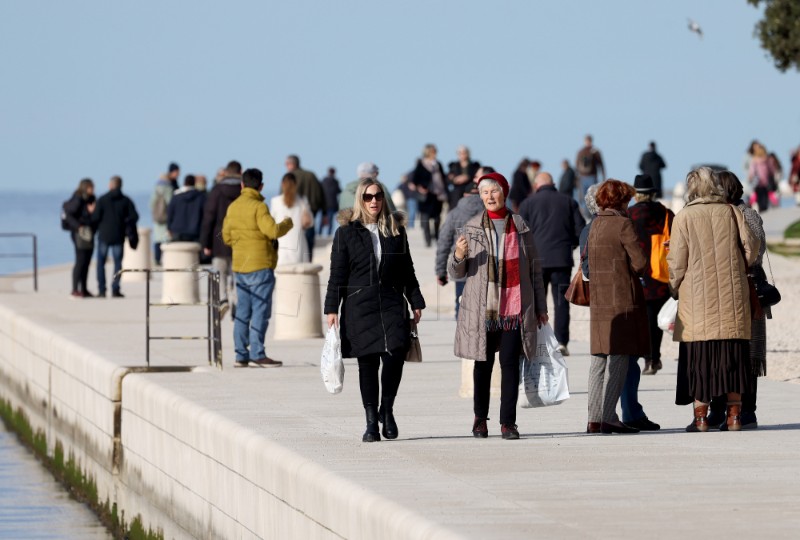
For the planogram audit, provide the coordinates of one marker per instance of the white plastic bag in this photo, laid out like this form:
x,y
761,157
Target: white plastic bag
x,y
667,314
544,378
331,364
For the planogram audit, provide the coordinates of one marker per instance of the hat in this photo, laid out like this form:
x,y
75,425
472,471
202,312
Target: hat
x,y
499,178
173,167
643,184
367,170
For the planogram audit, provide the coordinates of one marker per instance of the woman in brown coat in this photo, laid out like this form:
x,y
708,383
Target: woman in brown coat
x,y
710,249
618,314
503,301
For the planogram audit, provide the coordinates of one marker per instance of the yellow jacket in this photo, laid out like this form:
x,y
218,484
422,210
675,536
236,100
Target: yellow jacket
x,y
250,229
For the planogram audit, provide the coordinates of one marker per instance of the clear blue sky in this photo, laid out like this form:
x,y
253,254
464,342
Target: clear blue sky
x,y
95,88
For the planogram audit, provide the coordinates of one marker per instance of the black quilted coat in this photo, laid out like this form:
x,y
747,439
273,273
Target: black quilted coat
x,y
374,299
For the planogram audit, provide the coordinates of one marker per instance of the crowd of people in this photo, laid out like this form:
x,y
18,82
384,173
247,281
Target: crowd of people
x,y
503,244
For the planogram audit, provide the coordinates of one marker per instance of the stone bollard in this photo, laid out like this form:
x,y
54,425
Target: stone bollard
x,y
467,389
677,197
298,310
137,259
180,287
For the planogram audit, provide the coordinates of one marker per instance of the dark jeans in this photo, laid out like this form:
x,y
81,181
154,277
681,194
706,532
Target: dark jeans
x,y
80,272
510,349
656,333
762,198
632,410
390,376
459,291
157,253
559,278
102,255
310,235
430,212
719,403
331,215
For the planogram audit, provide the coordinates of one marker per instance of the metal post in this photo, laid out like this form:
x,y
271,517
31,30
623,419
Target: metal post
x,y
147,318
210,316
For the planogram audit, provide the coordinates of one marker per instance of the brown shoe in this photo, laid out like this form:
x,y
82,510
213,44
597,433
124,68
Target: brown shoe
x,y
700,424
479,428
734,422
657,365
267,362
593,427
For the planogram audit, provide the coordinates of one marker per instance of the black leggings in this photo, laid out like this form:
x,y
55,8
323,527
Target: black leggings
x,y
80,272
390,376
510,349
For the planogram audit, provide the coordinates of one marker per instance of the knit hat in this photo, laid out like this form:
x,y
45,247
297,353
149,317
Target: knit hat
x,y
173,167
499,178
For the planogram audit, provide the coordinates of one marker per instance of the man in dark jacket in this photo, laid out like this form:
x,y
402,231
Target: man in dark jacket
x,y
470,205
309,187
566,184
224,192
331,188
651,165
185,212
114,213
556,223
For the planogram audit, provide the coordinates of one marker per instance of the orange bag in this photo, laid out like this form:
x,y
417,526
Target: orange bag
x,y
659,270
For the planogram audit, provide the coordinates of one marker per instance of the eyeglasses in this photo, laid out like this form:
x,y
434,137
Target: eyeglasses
x,y
367,197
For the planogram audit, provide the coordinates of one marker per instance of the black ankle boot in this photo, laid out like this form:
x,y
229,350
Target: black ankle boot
x,y
372,434
387,418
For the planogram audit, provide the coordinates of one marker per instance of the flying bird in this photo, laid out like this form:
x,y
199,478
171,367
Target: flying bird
x,y
694,27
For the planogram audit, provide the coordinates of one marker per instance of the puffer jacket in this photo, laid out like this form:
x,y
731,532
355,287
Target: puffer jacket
x,y
467,208
373,298
250,229
470,342
708,271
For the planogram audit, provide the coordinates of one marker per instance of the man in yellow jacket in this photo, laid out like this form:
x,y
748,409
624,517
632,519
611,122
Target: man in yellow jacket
x,y
250,231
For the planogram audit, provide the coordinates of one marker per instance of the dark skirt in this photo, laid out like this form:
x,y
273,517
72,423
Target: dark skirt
x,y
717,367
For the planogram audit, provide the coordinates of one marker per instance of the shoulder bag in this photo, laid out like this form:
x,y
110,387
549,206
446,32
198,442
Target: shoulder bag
x,y
578,290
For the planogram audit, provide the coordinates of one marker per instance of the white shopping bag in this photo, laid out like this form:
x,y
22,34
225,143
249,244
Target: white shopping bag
x,y
667,314
543,379
331,364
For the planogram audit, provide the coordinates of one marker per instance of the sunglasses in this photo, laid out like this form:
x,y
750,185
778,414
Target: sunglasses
x,y
367,197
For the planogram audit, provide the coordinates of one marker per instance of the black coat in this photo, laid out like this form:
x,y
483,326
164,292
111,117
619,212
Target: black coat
x,y
113,213
373,299
457,190
76,212
556,223
185,215
520,187
652,163
566,184
219,199
421,176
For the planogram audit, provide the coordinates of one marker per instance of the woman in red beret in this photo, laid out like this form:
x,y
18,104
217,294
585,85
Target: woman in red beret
x,y
503,303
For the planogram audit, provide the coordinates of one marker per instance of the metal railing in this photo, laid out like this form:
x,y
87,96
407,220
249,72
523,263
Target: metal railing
x,y
214,334
33,255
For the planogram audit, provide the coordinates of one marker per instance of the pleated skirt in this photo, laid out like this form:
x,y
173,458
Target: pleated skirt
x,y
717,367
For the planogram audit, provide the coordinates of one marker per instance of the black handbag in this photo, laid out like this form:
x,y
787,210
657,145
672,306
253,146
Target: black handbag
x,y
768,294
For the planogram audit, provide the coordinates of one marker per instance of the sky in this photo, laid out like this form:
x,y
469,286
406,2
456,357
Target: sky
x,y
97,88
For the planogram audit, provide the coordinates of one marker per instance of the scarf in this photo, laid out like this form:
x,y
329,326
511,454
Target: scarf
x,y
503,297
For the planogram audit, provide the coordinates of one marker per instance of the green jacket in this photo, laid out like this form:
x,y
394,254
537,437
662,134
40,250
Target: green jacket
x,y
250,229
309,187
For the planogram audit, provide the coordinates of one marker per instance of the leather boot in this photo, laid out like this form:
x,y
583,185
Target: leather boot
x,y
387,418
734,422
700,423
372,434
648,367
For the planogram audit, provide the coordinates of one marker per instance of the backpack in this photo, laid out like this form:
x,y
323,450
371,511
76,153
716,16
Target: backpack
x,y
160,209
64,223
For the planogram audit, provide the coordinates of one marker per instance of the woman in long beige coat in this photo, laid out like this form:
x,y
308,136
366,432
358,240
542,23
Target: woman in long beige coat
x,y
503,301
710,249
618,314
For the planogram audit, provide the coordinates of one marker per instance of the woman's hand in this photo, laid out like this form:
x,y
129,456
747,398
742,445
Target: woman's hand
x,y
542,319
462,248
417,315
333,320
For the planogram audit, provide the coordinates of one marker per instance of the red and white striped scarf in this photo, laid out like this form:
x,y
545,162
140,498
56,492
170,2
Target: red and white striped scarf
x,y
503,297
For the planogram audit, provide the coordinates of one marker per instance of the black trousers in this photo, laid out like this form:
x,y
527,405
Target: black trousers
x,y
80,272
559,278
431,211
656,333
510,349
389,379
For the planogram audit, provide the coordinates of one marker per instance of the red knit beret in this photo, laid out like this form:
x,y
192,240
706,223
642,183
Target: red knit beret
x,y
499,178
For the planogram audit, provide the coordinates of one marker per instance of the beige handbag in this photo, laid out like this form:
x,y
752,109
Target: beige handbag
x,y
414,350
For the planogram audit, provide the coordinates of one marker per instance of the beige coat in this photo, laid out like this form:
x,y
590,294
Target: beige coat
x,y
470,339
707,270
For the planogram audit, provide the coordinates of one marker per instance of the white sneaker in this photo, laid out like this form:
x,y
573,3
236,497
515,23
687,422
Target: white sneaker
x,y
562,349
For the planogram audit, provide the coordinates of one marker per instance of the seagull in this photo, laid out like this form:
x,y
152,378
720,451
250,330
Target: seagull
x,y
694,27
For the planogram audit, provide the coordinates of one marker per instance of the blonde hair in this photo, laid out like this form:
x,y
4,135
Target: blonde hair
x,y
642,197
387,224
702,183
428,151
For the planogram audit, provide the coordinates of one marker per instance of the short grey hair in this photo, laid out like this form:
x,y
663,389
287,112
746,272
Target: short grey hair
x,y
591,203
703,183
488,182
367,170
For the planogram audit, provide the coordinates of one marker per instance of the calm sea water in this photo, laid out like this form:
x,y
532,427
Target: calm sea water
x,y
33,505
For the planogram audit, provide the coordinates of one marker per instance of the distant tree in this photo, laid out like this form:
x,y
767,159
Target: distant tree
x,y
779,31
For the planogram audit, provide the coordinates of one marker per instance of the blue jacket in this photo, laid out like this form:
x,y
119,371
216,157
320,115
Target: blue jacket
x,y
185,215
